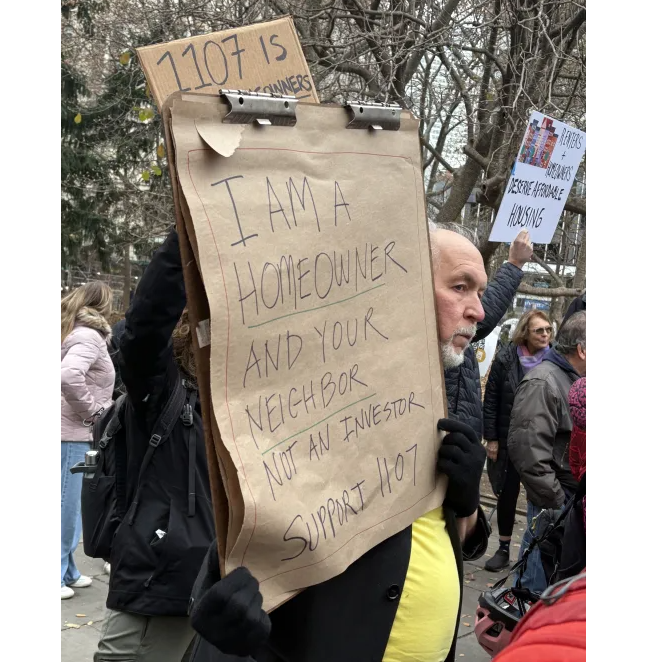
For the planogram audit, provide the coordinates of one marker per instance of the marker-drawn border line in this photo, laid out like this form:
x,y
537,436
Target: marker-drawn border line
x,y
310,427
310,310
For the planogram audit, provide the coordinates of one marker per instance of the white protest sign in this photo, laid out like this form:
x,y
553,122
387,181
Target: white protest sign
x,y
485,350
540,182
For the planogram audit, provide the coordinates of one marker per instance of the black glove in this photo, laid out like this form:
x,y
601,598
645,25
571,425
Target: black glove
x,y
461,459
228,613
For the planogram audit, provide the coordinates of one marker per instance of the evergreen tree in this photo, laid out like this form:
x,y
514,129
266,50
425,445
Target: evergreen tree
x,y
115,188
85,186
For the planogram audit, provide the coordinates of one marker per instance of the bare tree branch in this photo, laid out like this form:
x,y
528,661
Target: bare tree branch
x,y
437,155
549,291
554,276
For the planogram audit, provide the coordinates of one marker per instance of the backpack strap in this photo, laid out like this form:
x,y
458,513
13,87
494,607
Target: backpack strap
x,y
100,443
112,428
161,431
121,459
188,419
535,541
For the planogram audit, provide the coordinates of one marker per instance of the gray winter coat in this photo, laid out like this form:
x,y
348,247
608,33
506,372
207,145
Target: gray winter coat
x,y
540,430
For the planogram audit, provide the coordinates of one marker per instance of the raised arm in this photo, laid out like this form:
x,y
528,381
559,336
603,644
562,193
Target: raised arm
x,y
146,356
499,294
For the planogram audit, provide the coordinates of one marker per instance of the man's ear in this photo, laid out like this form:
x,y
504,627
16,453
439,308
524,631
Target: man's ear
x,y
581,352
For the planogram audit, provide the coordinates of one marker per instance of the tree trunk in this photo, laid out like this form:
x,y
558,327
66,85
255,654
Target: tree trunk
x,y
579,277
462,186
127,278
557,309
558,304
464,180
496,260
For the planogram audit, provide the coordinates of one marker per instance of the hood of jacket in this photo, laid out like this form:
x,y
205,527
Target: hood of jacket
x,y
92,319
558,359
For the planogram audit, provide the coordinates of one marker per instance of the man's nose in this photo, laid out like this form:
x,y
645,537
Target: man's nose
x,y
475,311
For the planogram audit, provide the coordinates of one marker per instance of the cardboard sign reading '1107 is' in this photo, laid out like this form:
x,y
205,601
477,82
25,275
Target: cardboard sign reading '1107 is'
x,y
266,57
325,377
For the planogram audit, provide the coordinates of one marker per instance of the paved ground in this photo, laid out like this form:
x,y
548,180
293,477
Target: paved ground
x,y
86,608
476,580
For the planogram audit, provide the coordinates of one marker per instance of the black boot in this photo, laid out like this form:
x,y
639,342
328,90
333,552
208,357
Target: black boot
x,y
499,561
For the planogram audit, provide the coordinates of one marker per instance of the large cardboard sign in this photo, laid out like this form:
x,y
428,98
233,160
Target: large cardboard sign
x,y
325,378
266,57
542,177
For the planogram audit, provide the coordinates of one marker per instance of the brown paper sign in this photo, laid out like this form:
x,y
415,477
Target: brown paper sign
x,y
325,377
266,57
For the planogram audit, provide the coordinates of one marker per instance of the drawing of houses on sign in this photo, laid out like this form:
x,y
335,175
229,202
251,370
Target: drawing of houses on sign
x,y
539,143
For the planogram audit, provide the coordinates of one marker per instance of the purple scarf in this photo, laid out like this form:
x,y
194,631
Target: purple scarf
x,y
530,361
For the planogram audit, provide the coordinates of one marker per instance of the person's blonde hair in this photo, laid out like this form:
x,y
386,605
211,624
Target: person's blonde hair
x,y
521,333
88,305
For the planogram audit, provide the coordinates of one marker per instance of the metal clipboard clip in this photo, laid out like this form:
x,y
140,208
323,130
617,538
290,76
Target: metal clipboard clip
x,y
265,109
374,115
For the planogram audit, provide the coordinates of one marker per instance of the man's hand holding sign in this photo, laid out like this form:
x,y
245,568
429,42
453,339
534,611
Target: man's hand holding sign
x,y
521,249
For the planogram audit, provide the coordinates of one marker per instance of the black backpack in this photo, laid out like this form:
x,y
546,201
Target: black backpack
x,y
103,495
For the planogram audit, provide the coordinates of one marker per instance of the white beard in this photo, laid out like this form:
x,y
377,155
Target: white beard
x,y
449,355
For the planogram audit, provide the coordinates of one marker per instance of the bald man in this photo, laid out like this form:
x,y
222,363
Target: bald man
x,y
400,602
468,311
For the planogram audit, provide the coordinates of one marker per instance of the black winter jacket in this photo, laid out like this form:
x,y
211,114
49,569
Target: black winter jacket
x,y
152,575
503,380
463,385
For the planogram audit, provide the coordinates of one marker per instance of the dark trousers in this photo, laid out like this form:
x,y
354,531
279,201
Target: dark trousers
x,y
508,500
127,637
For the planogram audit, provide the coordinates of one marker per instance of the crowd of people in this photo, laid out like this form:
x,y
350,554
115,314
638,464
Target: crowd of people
x,y
401,601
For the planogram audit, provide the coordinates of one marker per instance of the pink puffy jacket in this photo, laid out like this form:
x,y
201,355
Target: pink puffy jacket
x,y
87,380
